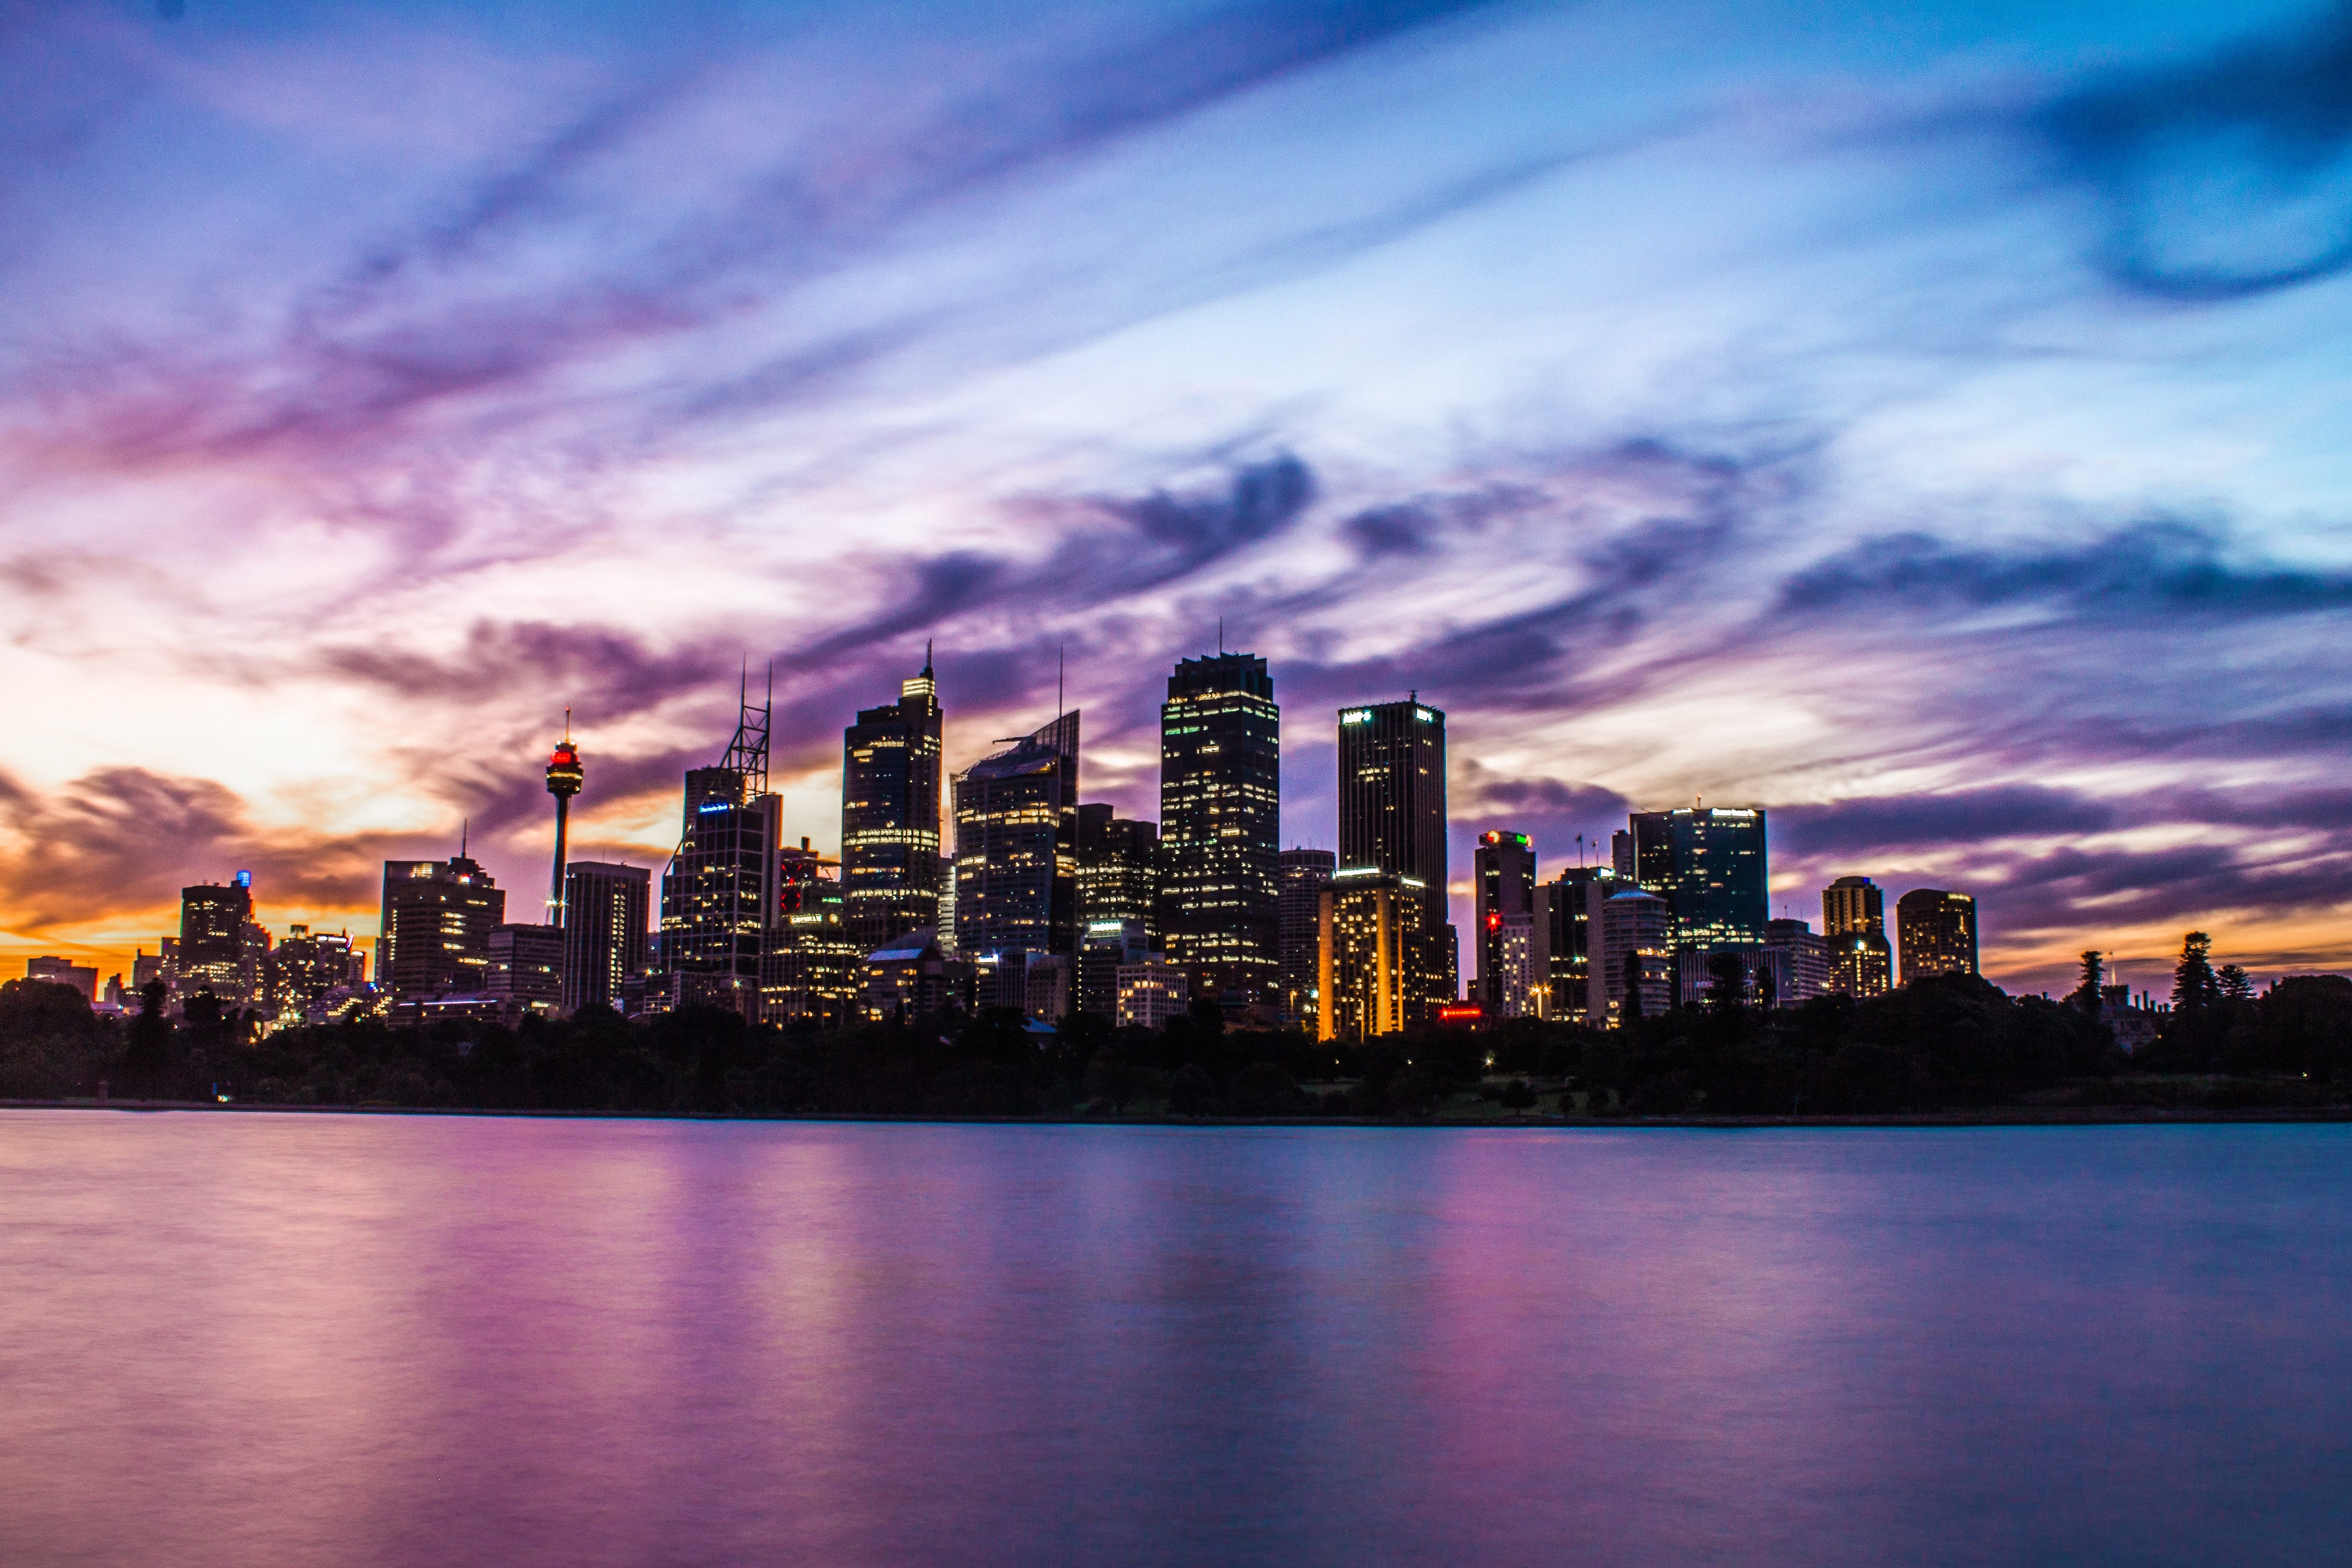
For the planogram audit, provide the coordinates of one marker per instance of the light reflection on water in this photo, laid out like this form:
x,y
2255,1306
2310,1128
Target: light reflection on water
x,y
244,1339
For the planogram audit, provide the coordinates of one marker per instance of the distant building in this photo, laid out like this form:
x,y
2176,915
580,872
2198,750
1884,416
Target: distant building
x,y
1150,993
890,772
1808,964
1853,929
1371,979
212,955
1508,959
946,933
525,971
1016,814
1392,796
812,972
718,891
1621,853
253,961
308,965
146,968
1301,875
605,946
1119,873
1109,947
1764,974
64,971
435,929
1637,944
1936,931
1220,824
1051,986
1568,938
1708,864
909,977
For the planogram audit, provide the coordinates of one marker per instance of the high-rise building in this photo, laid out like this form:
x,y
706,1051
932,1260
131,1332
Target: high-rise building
x,y
564,777
1621,853
890,861
213,918
1568,932
253,962
1504,864
946,934
1637,945
308,965
1391,789
434,935
1936,931
1107,947
815,971
1302,875
526,969
57,971
1118,872
1809,960
1854,928
718,893
605,932
1371,981
1016,816
1708,864
1220,824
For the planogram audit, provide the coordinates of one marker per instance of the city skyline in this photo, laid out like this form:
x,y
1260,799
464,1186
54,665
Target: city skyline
x,y
1920,428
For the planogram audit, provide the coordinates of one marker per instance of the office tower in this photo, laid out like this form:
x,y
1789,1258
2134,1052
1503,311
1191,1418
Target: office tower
x,y
718,891
1936,931
57,971
1708,864
1150,993
1568,934
307,965
890,814
564,777
434,935
253,961
1119,871
1504,864
1391,797
1854,925
1809,960
604,911
525,969
1220,824
1371,979
1301,875
815,971
1636,946
1016,816
213,918
1107,947
1621,853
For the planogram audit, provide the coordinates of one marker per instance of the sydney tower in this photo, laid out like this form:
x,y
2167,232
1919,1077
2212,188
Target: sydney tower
x,y
564,777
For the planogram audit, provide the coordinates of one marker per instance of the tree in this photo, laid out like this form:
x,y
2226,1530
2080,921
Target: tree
x,y
1518,1095
2236,984
1767,989
1631,1011
146,1071
2193,985
2094,977
1726,975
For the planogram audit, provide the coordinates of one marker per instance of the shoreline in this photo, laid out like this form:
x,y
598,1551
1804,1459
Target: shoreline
x,y
1993,1116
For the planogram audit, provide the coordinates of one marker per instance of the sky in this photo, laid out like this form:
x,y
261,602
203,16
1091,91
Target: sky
x,y
1926,421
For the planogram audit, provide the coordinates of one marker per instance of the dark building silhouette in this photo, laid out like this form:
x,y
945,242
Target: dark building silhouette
x,y
1936,932
57,971
564,777
718,894
890,772
605,932
1391,788
1853,929
1510,959
525,971
1708,864
1016,816
1567,932
212,955
1302,875
1106,947
1220,824
434,931
1119,870
1808,960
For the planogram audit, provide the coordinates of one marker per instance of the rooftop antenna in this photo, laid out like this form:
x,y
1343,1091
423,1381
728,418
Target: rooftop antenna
x,y
464,827
1061,664
1220,637
927,655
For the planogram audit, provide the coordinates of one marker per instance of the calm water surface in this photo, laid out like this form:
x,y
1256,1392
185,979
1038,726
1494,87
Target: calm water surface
x,y
247,1339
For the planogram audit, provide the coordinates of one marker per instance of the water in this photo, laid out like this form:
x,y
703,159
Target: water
x,y
255,1340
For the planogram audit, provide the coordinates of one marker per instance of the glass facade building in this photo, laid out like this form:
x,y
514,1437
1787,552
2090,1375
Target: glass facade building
x,y
1220,824
1708,864
890,861
1016,821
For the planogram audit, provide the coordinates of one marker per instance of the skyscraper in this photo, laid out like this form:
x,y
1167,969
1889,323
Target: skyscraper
x,y
307,965
213,918
1370,942
1119,870
434,933
814,970
718,891
1567,932
1393,823
1016,816
1504,864
890,815
1301,876
1708,864
1853,927
604,911
564,777
1221,824
1936,931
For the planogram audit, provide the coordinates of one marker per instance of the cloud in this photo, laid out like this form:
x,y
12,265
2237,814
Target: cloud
x,y
1960,816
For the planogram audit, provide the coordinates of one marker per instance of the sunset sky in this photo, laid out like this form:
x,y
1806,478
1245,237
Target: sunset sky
x,y
1930,423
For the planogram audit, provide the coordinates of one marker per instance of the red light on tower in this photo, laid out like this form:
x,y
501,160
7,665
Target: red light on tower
x,y
564,777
